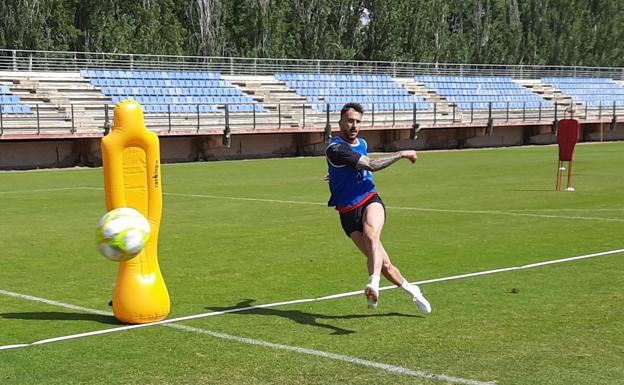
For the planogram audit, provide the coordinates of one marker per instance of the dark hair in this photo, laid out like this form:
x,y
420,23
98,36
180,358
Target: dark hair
x,y
352,106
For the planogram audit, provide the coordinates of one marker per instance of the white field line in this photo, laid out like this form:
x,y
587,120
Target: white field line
x,y
455,211
43,190
603,209
341,357
491,212
298,301
512,213
249,341
334,356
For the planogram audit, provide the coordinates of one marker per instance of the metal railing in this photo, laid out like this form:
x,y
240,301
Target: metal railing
x,y
28,60
296,117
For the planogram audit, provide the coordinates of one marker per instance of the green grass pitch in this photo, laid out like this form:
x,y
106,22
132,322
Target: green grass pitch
x,y
243,233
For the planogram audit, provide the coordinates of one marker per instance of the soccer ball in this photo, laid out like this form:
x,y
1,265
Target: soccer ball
x,y
122,233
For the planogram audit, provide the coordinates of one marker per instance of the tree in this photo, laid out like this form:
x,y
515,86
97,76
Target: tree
x,y
37,25
553,32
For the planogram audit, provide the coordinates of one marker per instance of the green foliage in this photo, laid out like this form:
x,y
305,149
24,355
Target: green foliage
x,y
116,26
554,32
37,25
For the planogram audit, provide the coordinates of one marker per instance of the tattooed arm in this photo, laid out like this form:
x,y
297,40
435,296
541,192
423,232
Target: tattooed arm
x,y
380,163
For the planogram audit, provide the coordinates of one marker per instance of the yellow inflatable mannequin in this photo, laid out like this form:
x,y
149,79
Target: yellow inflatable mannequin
x,y
131,163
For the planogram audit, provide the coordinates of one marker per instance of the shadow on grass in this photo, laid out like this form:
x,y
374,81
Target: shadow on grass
x,y
62,316
533,190
303,318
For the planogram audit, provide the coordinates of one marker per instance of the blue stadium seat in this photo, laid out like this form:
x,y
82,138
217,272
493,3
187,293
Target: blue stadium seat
x,y
337,89
478,91
588,91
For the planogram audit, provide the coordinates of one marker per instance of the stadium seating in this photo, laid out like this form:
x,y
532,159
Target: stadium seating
x,y
591,92
175,91
378,92
10,104
479,92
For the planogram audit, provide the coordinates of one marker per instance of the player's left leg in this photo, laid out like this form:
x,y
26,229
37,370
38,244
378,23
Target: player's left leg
x,y
393,275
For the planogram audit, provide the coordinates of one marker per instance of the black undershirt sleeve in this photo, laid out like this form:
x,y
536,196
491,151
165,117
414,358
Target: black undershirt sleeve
x,y
342,154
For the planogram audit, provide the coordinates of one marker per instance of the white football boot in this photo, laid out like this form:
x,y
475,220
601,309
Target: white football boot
x,y
420,300
372,296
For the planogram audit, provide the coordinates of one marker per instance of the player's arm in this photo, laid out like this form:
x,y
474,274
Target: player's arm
x,y
382,162
342,155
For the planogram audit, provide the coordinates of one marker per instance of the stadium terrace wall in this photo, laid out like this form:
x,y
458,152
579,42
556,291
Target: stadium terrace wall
x,y
39,153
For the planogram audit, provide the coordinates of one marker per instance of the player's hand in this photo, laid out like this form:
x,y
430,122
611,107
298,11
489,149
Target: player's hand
x,y
326,178
409,154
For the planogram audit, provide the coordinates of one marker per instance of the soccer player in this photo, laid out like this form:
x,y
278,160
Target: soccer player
x,y
362,212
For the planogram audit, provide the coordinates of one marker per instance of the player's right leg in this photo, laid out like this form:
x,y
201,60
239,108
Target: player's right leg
x,y
372,295
368,241
371,290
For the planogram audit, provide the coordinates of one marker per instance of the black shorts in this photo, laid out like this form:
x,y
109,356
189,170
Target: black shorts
x,y
353,220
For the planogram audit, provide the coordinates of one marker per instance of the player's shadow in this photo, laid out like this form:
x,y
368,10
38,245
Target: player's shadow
x,y
245,307
62,316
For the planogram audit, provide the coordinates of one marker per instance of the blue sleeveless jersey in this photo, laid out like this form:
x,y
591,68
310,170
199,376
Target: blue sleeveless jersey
x,y
349,186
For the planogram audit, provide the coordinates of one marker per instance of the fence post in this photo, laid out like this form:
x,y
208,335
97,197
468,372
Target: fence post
x,y
555,123
107,124
169,116
198,123
471,112
490,122
327,131
523,111
73,123
415,125
227,133
373,114
613,119
38,124
600,110
253,106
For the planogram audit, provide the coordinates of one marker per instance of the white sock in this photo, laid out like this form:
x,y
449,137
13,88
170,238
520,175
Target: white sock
x,y
373,280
